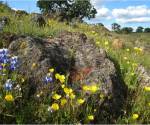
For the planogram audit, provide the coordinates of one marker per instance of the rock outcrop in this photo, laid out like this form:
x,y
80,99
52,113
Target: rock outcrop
x,y
72,53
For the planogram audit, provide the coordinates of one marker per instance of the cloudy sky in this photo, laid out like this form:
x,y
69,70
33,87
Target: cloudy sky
x,y
125,12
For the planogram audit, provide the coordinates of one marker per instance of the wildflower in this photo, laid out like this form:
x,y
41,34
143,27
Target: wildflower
x,y
80,101
51,70
9,98
135,116
63,101
8,84
125,58
61,78
149,104
127,50
95,110
55,107
57,76
48,78
13,62
86,88
56,96
93,88
62,86
68,90
90,117
106,43
147,89
72,96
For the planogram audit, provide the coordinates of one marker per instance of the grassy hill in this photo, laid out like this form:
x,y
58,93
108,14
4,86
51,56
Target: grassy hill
x,y
134,53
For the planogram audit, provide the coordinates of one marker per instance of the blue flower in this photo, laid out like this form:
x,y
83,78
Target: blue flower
x,y
48,78
4,56
8,85
14,63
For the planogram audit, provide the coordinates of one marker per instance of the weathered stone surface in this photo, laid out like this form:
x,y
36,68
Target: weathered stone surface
x,y
72,53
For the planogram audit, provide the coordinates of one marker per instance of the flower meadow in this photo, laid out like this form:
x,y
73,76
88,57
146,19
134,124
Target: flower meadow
x,y
58,101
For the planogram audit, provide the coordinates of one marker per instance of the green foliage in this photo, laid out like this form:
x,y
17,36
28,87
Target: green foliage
x,y
68,9
139,29
147,30
127,30
116,27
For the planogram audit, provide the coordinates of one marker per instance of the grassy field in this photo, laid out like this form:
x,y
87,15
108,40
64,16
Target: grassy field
x,y
129,58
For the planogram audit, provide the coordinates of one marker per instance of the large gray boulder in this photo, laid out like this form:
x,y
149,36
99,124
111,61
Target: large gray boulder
x,y
73,53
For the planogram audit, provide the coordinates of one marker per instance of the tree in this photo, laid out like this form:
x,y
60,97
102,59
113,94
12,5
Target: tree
x,y
139,29
127,30
116,27
68,9
147,30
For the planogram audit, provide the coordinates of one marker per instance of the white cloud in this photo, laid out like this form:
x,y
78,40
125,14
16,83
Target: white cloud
x,y
103,12
132,14
134,20
136,11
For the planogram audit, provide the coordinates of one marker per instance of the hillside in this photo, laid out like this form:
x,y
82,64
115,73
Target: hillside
x,y
61,73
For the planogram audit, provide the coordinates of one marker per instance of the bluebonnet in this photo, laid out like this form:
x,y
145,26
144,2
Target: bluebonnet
x,y
48,78
8,84
4,56
14,63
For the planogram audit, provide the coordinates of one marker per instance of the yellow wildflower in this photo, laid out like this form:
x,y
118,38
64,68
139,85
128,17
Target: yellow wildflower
x,y
57,76
86,88
72,96
68,90
63,102
9,98
90,117
106,43
51,70
56,96
93,88
55,106
125,58
62,86
127,50
62,78
135,116
147,89
80,101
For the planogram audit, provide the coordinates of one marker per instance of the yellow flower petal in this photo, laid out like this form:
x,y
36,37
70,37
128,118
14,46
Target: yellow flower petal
x,y
63,102
55,106
80,101
9,98
56,96
91,117
135,116
51,70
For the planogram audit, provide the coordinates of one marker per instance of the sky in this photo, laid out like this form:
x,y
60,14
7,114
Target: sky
x,y
130,13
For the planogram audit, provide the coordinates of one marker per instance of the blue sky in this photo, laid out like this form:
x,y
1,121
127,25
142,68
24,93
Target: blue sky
x,y
125,12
